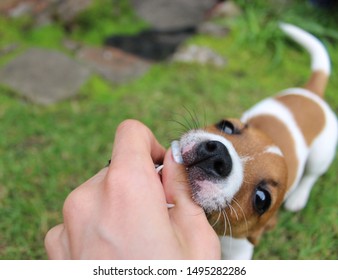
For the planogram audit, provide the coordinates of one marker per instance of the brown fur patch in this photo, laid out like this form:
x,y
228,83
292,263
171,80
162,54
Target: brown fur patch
x,y
308,114
317,83
281,136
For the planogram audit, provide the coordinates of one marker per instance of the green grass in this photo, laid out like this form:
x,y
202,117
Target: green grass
x,y
48,151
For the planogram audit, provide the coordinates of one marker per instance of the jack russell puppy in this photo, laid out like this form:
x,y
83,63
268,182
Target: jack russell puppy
x,y
242,170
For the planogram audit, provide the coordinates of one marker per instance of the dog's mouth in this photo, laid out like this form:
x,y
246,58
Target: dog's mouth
x,y
214,170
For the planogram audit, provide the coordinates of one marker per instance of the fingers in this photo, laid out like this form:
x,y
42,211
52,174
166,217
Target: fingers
x,y
55,243
133,144
75,211
135,152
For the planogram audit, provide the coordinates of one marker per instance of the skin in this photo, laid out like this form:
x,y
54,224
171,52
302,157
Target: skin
x,y
121,212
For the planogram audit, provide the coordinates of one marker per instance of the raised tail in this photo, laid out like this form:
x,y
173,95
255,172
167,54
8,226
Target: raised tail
x,y
320,60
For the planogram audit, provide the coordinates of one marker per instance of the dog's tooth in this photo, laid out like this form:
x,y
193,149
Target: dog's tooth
x,y
159,168
176,151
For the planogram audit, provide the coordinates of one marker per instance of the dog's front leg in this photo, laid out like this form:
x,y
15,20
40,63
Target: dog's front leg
x,y
236,249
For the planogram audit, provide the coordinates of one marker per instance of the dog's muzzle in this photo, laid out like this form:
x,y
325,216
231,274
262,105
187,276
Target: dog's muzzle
x,y
213,167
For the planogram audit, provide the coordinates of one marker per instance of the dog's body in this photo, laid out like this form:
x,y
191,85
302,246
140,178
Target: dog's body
x,y
241,171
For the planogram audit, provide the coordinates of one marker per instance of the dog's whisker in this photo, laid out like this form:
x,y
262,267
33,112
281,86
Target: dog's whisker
x,y
244,216
225,223
230,230
185,126
197,121
217,220
194,118
204,118
189,123
233,209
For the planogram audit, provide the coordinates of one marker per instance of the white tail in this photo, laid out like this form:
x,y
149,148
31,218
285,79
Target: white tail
x,y
320,59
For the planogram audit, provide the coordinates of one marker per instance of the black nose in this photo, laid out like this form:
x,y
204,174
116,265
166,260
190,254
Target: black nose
x,y
213,158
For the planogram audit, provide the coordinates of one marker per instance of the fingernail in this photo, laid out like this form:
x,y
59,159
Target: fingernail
x,y
176,152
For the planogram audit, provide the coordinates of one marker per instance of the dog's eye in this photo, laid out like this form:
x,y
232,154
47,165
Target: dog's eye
x,y
226,127
261,200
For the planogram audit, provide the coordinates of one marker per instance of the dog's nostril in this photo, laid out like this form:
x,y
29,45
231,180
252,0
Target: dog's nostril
x,y
219,167
211,146
213,157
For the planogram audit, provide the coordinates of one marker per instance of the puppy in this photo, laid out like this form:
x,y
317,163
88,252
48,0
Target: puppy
x,y
242,170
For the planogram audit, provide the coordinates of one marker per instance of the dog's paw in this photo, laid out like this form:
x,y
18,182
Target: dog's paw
x,y
296,201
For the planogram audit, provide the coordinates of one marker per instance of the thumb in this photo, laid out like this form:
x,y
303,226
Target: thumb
x,y
176,185
188,218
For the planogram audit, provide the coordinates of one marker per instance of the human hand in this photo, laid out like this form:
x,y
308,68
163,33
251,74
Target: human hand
x,y
121,212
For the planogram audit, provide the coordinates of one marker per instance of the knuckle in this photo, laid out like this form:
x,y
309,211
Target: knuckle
x,y
118,179
130,124
73,205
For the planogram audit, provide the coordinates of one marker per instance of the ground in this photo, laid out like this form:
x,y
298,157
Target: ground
x,y
46,151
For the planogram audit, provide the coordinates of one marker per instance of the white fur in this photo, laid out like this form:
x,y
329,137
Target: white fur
x,y
236,248
274,150
224,191
319,57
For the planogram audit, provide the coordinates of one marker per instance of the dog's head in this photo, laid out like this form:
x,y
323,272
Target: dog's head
x,y
237,175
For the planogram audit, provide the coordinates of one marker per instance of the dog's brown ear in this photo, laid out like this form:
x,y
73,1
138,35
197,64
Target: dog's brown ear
x,y
271,223
255,236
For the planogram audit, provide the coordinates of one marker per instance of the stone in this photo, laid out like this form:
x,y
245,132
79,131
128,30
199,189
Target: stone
x,y
17,8
173,14
5,5
44,76
227,9
113,64
45,11
171,23
21,9
197,54
71,45
68,10
213,29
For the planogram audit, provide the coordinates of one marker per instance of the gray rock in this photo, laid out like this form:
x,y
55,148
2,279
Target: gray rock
x,y
44,76
7,4
200,55
44,11
21,9
113,64
227,9
213,29
68,10
173,14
